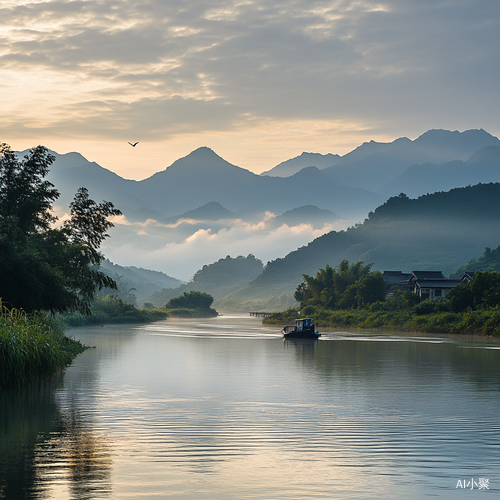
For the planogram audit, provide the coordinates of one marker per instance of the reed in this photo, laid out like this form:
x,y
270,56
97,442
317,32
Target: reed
x,y
31,346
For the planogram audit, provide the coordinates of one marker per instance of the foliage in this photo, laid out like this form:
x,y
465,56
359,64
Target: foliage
x,y
489,261
191,300
112,309
31,347
345,287
471,309
191,304
483,291
43,268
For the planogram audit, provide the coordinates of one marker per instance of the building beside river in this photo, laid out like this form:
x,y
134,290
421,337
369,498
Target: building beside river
x,y
426,284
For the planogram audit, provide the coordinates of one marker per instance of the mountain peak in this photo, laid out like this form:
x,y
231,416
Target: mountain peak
x,y
455,145
203,154
201,160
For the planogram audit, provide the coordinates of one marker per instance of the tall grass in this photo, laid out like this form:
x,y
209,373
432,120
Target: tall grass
x,y
31,347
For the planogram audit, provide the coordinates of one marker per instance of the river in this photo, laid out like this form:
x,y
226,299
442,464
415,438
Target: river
x,y
223,408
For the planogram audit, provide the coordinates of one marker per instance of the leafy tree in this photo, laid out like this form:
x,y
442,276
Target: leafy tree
x,y
345,287
483,291
191,300
42,267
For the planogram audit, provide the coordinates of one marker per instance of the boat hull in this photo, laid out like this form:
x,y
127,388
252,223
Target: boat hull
x,y
302,335
303,329
293,333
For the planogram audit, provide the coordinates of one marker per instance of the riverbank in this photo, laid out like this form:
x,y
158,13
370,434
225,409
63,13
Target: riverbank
x,y
479,322
32,347
112,310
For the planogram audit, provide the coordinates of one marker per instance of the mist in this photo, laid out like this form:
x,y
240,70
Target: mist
x,y
181,248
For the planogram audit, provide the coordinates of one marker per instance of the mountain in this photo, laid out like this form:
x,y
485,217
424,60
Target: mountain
x,y
373,147
374,171
142,282
70,171
440,231
488,262
211,211
347,188
455,145
374,165
308,214
218,279
292,166
203,176
483,166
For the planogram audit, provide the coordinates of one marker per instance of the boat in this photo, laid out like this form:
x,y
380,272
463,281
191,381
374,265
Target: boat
x,y
303,329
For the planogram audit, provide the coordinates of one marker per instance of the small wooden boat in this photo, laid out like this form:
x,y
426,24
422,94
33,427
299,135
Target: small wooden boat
x,y
303,329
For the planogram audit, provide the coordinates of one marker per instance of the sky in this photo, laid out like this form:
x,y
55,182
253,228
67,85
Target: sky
x,y
257,81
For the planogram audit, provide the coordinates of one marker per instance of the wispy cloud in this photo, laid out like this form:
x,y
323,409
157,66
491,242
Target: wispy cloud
x,y
165,68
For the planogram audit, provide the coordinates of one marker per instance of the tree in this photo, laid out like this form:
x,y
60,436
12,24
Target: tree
x,y
191,300
43,267
344,287
483,291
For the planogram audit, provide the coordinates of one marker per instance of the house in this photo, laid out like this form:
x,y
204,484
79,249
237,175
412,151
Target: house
x,y
426,284
431,284
395,280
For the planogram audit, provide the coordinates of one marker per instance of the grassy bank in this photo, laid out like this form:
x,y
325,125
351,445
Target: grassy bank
x,y
480,322
31,347
111,309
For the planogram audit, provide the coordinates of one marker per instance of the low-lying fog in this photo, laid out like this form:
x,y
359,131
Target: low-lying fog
x,y
179,249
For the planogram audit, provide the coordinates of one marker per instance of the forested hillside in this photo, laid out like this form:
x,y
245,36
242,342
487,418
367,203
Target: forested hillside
x,y
218,279
489,261
441,231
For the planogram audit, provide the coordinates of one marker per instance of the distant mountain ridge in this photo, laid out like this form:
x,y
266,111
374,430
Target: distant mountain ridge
x,y
142,282
203,177
375,165
292,166
308,214
483,166
351,186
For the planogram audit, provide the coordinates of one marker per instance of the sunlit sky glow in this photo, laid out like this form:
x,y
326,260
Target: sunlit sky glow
x,y
257,81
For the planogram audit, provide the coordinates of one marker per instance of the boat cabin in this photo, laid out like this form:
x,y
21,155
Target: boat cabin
x,y
303,324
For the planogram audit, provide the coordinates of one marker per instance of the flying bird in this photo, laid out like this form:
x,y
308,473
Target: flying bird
x,y
134,145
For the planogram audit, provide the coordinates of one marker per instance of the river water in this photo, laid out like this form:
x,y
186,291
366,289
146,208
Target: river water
x,y
223,408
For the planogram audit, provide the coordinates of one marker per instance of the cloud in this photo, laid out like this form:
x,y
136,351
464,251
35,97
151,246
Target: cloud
x,y
170,68
181,249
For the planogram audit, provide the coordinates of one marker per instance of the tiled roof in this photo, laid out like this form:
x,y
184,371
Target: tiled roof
x,y
429,283
434,275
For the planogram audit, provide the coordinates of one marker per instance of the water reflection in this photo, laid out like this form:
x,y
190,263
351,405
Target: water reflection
x,y
225,408
41,445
